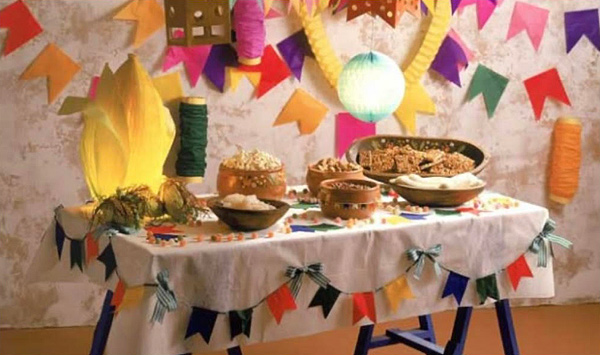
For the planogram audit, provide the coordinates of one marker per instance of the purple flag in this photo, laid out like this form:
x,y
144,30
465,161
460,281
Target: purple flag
x,y
221,56
293,50
582,23
456,286
455,4
448,59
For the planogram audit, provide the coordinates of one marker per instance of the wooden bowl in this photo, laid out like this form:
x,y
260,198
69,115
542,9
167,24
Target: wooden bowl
x,y
346,204
248,220
265,184
471,150
437,197
314,177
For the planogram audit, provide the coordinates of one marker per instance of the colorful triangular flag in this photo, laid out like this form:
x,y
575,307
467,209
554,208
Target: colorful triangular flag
x,y
542,86
449,59
240,322
529,18
193,58
456,285
21,24
294,50
304,109
77,253
487,287
490,84
54,64
363,306
582,23
468,52
485,9
108,259
415,100
202,321
518,270
220,57
118,294
169,87
273,71
326,298
348,129
91,248
280,301
59,236
149,15
397,291
235,77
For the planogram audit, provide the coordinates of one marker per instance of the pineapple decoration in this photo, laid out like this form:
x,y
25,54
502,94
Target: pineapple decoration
x,y
197,22
389,10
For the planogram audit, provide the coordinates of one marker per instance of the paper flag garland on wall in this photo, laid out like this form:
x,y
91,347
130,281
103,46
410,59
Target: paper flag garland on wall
x,y
397,291
273,71
293,50
149,15
304,109
529,18
220,57
21,24
363,304
518,270
193,58
468,52
485,9
348,129
449,60
235,77
456,285
542,86
54,64
326,298
490,84
415,100
280,301
582,23
169,87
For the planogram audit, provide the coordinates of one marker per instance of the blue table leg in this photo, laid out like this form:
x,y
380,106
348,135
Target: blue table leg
x,y
507,329
234,351
103,326
363,344
456,344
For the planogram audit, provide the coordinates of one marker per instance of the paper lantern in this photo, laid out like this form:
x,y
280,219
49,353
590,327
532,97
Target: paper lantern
x,y
197,22
371,86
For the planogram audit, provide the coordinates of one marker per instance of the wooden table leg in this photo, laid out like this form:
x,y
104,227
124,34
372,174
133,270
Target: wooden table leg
x,y
363,344
103,326
456,344
507,329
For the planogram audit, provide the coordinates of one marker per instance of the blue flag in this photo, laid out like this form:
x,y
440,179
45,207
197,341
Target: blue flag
x,y
201,321
456,286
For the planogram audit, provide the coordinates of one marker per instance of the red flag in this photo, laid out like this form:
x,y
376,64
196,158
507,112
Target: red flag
x,y
91,248
517,270
272,68
21,24
364,306
542,86
118,294
280,301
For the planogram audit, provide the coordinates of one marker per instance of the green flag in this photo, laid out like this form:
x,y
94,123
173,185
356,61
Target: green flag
x,y
487,287
490,84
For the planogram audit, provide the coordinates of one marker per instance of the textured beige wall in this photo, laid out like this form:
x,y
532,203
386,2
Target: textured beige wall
x,y
39,164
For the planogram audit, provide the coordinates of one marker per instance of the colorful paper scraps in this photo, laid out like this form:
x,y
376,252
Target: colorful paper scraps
x,y
324,227
54,64
304,109
326,298
529,18
240,322
193,58
273,71
542,86
293,50
301,228
487,287
348,129
281,301
363,304
235,77
456,285
449,59
468,52
518,270
582,23
485,9
202,321
490,84
149,15
397,291
21,24
220,57
416,99
169,87
108,259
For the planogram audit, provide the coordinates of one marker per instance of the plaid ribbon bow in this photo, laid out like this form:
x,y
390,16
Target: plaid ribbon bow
x,y
418,257
539,245
314,271
165,297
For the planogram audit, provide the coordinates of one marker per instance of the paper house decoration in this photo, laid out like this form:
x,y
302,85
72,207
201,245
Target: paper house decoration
x,y
389,10
196,22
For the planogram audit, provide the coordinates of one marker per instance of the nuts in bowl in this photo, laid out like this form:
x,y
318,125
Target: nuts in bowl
x,y
349,198
330,168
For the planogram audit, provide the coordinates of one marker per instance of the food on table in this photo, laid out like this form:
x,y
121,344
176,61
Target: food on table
x,y
349,198
335,165
345,185
253,160
407,160
461,181
242,202
330,168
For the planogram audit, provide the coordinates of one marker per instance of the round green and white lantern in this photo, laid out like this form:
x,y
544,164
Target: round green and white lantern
x,y
371,86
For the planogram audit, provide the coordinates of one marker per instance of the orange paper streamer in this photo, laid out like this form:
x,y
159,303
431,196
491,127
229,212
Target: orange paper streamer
x,y
566,160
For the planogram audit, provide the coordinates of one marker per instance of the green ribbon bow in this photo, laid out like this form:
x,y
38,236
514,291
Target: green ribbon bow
x,y
314,271
539,244
165,297
418,256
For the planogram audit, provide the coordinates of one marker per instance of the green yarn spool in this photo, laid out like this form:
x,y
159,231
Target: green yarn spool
x,y
191,160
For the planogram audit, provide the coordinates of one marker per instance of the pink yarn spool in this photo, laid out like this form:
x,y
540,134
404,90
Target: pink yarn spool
x,y
249,25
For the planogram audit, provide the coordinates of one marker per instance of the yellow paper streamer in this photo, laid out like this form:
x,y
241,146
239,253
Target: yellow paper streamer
x,y
397,291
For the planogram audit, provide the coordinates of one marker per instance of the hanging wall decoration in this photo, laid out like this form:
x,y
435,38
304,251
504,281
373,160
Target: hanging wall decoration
x,y
542,86
565,160
484,8
195,22
582,23
388,10
250,31
304,109
529,18
149,16
450,59
490,84
193,58
21,24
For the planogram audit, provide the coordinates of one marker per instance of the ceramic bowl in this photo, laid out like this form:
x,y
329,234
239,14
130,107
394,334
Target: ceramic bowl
x,y
347,204
437,197
265,184
247,220
314,177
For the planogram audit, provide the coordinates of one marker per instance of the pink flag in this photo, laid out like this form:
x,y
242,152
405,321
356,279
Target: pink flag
x,y
348,129
193,58
529,18
485,9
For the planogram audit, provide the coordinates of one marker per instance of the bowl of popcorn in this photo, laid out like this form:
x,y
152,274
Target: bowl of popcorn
x,y
247,213
349,198
252,172
330,168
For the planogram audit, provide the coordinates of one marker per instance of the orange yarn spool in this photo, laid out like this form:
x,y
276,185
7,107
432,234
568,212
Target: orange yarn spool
x,y
566,160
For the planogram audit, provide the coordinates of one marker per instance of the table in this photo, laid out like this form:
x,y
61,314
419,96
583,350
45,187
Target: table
x,y
234,275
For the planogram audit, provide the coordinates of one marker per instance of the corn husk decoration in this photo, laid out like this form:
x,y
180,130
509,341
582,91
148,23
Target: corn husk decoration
x,y
179,203
127,132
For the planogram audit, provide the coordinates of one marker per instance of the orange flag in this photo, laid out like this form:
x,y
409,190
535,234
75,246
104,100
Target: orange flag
x,y
54,64
517,270
91,248
118,294
304,109
280,301
364,306
149,15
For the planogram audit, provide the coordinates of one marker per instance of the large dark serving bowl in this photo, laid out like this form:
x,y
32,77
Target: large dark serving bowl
x,y
471,150
246,220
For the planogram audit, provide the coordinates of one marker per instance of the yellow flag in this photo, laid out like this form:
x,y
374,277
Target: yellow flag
x,y
169,87
398,290
133,296
304,109
415,100
149,15
236,75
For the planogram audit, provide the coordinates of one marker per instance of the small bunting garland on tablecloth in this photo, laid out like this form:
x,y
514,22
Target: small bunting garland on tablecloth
x,y
456,285
325,298
280,301
165,297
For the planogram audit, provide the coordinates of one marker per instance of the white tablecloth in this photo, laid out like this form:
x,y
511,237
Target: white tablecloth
x,y
235,275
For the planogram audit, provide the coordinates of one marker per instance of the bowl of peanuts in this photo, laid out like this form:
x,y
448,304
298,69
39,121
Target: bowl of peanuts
x,y
330,168
252,173
349,198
